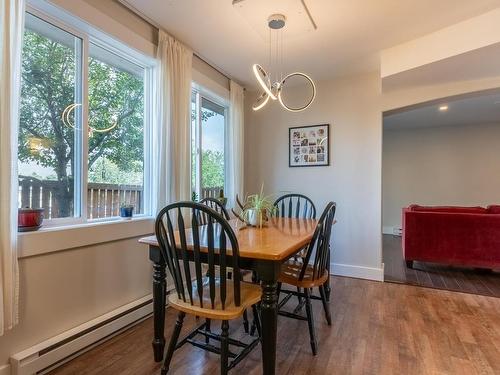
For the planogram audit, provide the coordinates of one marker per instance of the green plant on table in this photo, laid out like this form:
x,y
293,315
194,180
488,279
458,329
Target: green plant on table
x,y
258,208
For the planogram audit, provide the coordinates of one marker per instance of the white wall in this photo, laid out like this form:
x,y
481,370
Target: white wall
x,y
352,108
449,165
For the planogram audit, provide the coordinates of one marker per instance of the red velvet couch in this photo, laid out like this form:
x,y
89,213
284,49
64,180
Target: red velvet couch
x,y
461,236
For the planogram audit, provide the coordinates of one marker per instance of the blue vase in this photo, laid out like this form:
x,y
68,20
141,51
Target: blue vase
x,y
126,212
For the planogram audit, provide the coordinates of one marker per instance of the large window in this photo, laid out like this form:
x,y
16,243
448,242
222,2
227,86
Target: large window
x,y
83,133
208,119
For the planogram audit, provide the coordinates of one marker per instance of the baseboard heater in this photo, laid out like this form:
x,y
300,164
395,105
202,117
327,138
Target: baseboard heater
x,y
47,355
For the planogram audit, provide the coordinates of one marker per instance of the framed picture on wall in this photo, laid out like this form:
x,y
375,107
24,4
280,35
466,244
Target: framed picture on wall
x,y
309,146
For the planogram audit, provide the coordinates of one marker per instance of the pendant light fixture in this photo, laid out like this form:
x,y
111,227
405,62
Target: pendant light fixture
x,y
275,83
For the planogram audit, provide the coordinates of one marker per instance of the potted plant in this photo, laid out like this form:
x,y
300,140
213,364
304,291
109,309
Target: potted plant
x,y
126,211
29,219
258,208
222,199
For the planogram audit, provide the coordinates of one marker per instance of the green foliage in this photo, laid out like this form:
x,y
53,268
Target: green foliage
x,y
212,164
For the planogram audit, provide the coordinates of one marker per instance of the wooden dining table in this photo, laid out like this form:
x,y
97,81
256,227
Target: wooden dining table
x,y
262,250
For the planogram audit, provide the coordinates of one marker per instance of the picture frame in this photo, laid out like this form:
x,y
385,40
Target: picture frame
x,y
309,146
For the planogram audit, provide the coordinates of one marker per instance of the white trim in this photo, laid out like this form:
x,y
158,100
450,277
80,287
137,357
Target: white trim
x,y
49,240
387,230
30,361
393,231
359,272
5,370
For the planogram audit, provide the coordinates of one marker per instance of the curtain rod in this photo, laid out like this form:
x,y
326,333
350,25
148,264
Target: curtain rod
x,y
148,20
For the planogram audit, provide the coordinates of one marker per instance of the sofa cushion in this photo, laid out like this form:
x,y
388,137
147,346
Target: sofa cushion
x,y
451,209
494,209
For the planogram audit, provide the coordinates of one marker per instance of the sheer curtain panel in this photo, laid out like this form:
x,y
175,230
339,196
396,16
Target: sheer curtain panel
x,y
236,132
171,150
11,31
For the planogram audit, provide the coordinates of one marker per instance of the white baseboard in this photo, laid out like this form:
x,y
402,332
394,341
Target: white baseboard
x,y
394,231
5,370
359,272
387,230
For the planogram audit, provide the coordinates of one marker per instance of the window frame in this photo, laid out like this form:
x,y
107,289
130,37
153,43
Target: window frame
x,y
200,93
88,34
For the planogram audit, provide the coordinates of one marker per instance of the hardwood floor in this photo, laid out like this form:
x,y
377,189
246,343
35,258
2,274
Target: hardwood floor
x,y
465,280
378,328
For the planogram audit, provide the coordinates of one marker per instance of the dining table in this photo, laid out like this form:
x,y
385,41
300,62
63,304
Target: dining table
x,y
261,249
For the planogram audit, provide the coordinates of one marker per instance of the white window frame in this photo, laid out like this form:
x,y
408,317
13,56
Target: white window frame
x,y
202,92
88,34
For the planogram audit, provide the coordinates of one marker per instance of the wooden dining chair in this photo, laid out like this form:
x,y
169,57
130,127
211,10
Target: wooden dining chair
x,y
217,206
295,205
310,273
212,295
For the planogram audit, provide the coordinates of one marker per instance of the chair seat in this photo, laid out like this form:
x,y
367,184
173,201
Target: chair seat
x,y
290,272
250,295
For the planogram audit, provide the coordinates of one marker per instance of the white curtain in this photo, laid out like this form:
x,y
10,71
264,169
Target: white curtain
x,y
171,131
11,32
236,133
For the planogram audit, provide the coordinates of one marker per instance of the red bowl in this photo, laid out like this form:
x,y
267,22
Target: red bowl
x,y
29,219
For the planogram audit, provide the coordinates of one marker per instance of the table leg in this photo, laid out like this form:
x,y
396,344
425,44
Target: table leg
x,y
268,273
159,301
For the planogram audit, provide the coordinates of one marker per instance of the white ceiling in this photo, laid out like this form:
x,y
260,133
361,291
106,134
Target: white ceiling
x,y
350,32
478,108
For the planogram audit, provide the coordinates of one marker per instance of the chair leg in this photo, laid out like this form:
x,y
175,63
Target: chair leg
x,y
173,343
326,306
299,298
256,320
207,329
224,348
245,321
310,321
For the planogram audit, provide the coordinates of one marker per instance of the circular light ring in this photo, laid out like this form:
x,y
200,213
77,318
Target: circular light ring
x,y
66,120
313,86
261,75
261,101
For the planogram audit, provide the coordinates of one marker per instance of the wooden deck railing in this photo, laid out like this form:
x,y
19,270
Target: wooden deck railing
x,y
103,200
212,192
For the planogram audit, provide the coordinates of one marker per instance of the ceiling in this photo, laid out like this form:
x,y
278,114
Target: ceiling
x,y
478,108
350,32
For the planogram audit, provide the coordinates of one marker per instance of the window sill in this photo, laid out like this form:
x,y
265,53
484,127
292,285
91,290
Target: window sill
x,y
52,239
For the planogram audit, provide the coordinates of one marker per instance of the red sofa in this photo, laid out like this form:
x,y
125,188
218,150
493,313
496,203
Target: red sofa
x,y
461,236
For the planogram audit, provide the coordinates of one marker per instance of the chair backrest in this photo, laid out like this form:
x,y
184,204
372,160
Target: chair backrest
x,y
295,205
319,247
215,205
211,241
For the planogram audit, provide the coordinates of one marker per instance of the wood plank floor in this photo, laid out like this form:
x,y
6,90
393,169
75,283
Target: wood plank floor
x,y
378,328
465,280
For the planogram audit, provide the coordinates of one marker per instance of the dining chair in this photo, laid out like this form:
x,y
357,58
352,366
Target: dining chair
x,y
212,295
310,273
217,206
296,206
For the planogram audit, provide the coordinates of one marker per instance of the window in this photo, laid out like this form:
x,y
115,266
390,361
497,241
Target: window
x,y
83,133
208,125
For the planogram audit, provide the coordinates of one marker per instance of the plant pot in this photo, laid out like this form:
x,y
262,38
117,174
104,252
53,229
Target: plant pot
x,y
254,218
29,219
127,212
